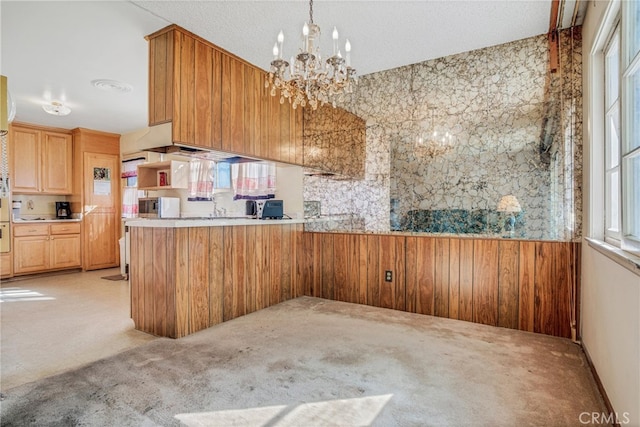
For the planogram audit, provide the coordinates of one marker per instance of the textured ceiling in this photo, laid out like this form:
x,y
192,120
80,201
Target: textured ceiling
x,y
54,49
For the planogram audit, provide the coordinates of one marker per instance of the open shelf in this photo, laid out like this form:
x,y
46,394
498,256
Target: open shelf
x,y
172,174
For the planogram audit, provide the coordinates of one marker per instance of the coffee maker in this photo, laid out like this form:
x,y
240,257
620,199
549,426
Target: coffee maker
x,y
63,210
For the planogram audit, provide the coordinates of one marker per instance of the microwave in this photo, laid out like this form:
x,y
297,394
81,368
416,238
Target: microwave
x,y
159,207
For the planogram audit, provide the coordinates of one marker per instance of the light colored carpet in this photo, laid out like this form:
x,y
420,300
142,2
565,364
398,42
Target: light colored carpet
x,y
51,324
315,362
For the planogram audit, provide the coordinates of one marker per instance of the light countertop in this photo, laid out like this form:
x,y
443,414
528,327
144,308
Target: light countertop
x,y
205,222
44,220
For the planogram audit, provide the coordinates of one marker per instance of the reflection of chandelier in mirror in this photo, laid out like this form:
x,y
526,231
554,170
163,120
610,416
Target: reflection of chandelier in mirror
x,y
311,80
432,142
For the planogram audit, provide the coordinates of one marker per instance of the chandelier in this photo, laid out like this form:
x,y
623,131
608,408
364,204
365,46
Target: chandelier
x,y
433,143
307,79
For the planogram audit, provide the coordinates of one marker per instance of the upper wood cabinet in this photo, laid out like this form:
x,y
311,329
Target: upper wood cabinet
x,y
217,101
185,87
41,160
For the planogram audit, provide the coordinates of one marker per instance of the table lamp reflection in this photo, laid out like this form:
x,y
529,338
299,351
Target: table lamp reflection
x,y
510,205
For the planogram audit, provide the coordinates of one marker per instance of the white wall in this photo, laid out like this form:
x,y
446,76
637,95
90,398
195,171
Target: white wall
x,y
610,294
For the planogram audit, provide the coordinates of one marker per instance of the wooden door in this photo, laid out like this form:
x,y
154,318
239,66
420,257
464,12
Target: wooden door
x,y
206,108
65,251
253,110
161,78
232,104
31,254
57,158
296,136
285,116
25,162
101,211
274,127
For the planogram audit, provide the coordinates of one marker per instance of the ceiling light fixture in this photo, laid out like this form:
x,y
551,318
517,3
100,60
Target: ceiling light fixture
x,y
56,108
112,85
311,80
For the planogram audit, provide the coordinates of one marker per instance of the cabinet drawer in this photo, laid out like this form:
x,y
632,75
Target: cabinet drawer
x,y
31,230
72,228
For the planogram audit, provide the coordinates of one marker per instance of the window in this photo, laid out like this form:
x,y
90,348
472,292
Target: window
x,y
622,130
630,152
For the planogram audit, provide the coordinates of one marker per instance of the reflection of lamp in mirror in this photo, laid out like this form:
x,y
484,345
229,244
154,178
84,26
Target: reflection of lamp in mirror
x,y
510,205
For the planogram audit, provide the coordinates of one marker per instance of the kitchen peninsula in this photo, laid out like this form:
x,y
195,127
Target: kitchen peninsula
x,y
189,274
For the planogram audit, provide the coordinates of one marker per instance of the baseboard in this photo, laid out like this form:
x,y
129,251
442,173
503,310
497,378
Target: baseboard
x,y
599,384
38,275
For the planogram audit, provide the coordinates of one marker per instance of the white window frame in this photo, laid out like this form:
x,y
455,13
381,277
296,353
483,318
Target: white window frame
x,y
612,201
630,65
624,243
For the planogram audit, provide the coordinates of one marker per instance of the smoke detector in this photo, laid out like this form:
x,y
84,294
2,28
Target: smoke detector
x,y
112,85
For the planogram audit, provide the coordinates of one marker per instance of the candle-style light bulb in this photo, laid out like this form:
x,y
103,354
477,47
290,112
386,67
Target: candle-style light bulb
x,y
334,35
275,51
347,48
280,40
305,33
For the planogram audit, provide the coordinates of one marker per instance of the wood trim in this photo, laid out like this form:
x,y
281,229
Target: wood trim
x,y
554,55
40,127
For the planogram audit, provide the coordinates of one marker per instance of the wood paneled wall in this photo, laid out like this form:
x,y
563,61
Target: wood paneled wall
x,y
514,284
187,279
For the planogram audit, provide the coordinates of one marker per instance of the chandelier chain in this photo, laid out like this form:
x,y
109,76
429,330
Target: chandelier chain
x,y
310,11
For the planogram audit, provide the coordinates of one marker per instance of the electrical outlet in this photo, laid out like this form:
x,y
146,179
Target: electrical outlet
x,y
388,276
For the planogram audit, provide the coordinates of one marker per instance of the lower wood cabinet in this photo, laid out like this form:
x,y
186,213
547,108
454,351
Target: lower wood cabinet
x,y
6,265
44,247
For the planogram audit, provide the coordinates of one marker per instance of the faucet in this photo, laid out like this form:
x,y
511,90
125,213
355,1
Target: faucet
x,y
218,212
